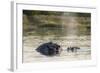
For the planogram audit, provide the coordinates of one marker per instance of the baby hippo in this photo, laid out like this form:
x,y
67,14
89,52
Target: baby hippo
x,y
72,49
49,49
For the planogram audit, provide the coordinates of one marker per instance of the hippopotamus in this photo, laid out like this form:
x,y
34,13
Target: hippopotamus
x,y
72,49
49,49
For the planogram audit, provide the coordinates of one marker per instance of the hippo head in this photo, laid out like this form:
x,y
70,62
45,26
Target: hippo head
x,y
49,49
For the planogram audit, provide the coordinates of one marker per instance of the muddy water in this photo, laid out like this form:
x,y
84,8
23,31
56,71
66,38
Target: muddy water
x,y
30,43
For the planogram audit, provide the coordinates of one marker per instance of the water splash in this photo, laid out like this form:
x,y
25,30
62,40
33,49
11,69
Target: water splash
x,y
70,24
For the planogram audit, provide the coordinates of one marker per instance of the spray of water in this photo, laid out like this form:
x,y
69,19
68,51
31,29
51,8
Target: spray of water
x,y
69,21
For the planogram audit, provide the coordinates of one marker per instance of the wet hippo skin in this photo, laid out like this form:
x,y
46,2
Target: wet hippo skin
x,y
73,49
49,49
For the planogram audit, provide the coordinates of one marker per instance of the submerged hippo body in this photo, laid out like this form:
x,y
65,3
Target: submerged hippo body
x,y
49,49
